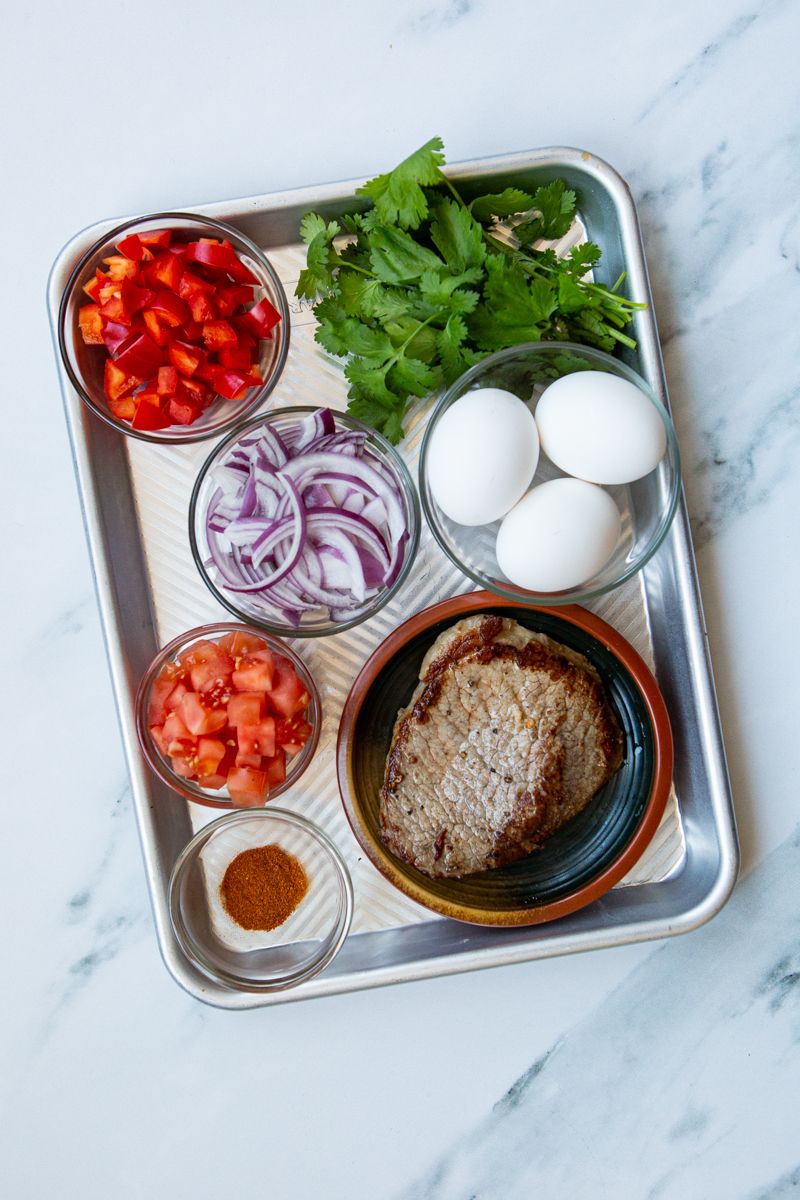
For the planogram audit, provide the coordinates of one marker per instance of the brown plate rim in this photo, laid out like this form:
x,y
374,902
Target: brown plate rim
x,y
616,644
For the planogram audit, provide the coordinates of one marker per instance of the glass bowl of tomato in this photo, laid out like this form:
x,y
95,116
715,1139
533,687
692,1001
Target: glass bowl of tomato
x,y
228,716
172,328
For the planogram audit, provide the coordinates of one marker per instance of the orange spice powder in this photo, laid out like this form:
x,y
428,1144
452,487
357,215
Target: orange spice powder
x,y
262,887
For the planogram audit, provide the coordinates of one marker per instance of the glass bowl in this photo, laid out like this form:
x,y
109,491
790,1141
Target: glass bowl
x,y
647,506
85,364
260,960
256,609
190,789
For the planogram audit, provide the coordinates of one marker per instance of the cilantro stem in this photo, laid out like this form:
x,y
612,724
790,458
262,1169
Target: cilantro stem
x,y
402,348
455,193
342,262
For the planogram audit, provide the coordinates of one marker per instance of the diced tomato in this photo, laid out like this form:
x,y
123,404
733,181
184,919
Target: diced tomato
x,y
120,267
132,247
211,672
287,696
239,643
275,769
217,334
173,700
149,413
156,237
257,739
254,674
185,358
292,733
210,753
198,717
215,781
157,705
90,322
248,760
260,319
176,735
245,708
248,787
157,734
184,765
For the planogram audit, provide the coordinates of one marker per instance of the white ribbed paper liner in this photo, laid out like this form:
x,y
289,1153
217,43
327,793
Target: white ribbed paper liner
x,y
163,479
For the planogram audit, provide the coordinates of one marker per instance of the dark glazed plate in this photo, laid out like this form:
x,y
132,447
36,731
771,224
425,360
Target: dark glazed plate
x,y
589,854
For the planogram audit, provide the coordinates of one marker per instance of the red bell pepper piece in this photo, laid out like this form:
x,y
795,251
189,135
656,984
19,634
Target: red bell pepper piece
x,y
158,330
167,381
114,334
211,253
237,357
169,308
120,267
132,247
123,410
185,357
156,237
116,384
230,299
193,332
92,288
90,322
140,356
201,307
191,285
233,385
149,412
217,334
165,271
260,319
195,392
182,411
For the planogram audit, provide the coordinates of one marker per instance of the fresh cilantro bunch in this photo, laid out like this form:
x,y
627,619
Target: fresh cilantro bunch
x,y
422,285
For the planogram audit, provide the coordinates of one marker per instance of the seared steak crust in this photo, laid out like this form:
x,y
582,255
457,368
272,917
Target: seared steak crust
x,y
506,738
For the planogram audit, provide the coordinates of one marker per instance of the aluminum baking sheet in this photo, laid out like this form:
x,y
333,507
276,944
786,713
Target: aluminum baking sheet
x,y
135,497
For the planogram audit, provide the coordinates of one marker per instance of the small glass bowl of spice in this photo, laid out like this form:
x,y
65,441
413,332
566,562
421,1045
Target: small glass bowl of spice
x,y
261,900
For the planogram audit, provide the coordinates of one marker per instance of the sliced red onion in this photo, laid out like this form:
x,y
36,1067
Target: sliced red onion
x,y
306,520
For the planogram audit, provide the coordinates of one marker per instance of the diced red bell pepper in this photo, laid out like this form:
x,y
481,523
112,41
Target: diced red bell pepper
x,y
131,246
211,253
201,307
156,237
92,288
230,299
90,322
116,384
192,285
123,410
217,334
165,271
235,357
169,308
149,413
114,334
141,356
167,381
233,385
182,411
242,274
260,319
158,330
185,357
194,392
120,267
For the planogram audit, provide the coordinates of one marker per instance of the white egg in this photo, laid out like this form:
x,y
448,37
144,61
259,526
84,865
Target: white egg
x,y
482,456
599,427
558,536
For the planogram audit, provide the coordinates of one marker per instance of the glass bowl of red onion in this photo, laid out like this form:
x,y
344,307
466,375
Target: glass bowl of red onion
x,y
304,522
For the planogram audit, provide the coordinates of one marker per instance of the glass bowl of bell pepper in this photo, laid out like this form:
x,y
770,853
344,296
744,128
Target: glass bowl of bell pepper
x,y
173,328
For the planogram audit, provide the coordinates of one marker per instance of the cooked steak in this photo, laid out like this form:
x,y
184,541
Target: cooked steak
x,y
506,738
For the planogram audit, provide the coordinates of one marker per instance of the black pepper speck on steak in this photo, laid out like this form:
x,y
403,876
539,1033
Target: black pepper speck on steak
x,y
507,737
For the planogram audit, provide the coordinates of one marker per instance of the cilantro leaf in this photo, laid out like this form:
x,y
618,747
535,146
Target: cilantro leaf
x,y
321,258
515,309
370,299
457,236
555,204
398,196
409,375
354,337
396,258
445,291
501,204
581,259
456,356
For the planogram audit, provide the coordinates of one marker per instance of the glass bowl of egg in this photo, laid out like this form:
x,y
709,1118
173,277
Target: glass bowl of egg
x,y
550,473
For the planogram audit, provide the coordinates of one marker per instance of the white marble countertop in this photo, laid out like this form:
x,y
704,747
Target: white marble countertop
x,y
665,1070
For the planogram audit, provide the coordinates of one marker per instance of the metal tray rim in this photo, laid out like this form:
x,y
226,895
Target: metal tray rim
x,y
720,796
